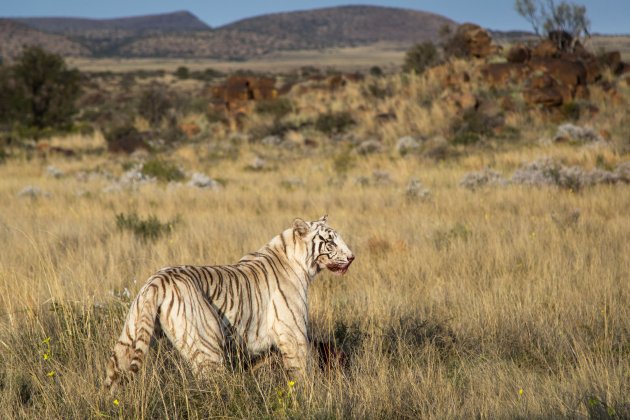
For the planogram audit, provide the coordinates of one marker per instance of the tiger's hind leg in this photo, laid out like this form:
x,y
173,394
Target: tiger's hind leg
x,y
118,365
195,329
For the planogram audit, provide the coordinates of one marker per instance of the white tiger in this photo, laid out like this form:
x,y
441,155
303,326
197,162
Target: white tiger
x,y
262,301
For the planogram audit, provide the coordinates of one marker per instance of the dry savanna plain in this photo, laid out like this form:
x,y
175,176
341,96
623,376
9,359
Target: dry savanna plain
x,y
492,271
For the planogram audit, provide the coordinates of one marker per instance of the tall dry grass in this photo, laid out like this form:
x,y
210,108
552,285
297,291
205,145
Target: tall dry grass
x,y
496,304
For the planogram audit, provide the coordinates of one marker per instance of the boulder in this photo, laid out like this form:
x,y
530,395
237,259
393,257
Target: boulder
x,y
546,95
54,172
466,100
593,70
545,49
568,73
519,53
201,180
190,129
478,42
499,74
237,91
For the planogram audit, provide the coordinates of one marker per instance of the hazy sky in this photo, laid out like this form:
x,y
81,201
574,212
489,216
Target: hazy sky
x,y
607,16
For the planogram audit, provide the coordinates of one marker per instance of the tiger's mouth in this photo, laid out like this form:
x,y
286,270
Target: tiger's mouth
x,y
339,269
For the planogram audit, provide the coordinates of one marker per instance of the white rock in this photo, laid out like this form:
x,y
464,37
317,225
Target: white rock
x,y
406,145
200,180
54,172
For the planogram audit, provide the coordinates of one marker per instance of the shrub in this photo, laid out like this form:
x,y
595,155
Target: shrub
x,y
206,75
561,23
334,122
277,108
154,103
182,73
343,162
472,126
420,57
125,139
455,46
39,90
476,180
376,71
443,238
162,170
570,111
375,91
147,229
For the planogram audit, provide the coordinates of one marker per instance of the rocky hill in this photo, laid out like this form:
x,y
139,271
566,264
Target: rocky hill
x,y
14,35
345,25
182,34
106,37
316,29
168,22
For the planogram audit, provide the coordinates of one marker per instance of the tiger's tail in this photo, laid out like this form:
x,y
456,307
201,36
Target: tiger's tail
x,y
133,343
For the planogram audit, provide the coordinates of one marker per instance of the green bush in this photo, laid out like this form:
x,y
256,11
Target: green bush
x,y
162,170
466,138
375,91
125,139
155,102
182,73
473,126
277,108
39,90
343,162
334,122
456,46
147,229
571,111
420,57
376,71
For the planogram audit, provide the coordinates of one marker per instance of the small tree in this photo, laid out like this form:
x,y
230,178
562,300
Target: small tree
x,y
155,103
421,56
559,22
182,72
41,89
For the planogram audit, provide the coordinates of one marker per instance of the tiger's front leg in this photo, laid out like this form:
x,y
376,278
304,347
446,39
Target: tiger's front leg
x,y
295,351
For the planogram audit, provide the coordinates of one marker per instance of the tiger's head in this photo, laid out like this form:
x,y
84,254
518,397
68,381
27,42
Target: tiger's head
x,y
324,246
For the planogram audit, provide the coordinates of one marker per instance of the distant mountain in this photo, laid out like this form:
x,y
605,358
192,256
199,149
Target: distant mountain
x,y
345,25
14,36
105,37
314,29
168,22
182,34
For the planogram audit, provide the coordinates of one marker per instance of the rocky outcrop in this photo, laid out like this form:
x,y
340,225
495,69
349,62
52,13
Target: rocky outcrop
x,y
236,95
477,41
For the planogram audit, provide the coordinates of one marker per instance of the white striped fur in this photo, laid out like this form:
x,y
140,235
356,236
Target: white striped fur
x,y
262,301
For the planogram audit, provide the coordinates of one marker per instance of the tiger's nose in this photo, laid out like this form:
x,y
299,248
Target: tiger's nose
x,y
350,258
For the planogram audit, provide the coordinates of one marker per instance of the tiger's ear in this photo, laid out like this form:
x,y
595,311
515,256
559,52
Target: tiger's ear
x,y
300,226
323,219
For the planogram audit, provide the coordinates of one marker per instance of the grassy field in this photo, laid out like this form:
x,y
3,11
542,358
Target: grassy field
x,y
503,301
347,59
386,55
497,303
